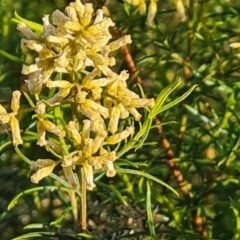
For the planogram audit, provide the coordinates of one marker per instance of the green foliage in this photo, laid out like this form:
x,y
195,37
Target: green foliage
x,y
178,176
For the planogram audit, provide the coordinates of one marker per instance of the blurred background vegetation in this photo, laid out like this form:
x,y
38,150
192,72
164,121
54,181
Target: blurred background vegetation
x,y
198,155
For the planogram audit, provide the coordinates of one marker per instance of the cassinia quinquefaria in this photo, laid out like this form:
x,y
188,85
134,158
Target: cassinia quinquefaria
x,y
73,62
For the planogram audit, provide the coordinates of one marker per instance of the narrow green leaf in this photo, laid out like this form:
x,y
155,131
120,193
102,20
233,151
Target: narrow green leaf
x,y
5,145
162,124
32,190
62,181
124,162
178,100
148,176
162,97
61,217
149,212
144,133
236,212
139,139
23,157
26,95
11,57
34,26
115,191
34,226
32,235
3,215
85,235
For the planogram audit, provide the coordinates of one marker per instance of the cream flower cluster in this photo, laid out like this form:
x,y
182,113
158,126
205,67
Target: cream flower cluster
x,y
73,62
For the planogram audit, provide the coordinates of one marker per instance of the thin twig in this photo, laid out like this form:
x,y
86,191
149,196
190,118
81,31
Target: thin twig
x,y
83,222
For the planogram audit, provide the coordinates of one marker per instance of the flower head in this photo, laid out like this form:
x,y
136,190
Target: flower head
x,y
77,44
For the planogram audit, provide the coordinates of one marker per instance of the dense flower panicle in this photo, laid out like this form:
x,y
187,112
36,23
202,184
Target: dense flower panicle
x,y
77,44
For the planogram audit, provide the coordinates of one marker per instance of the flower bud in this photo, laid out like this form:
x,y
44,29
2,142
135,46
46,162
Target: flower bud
x,y
59,83
4,117
55,147
124,112
87,149
180,9
133,2
87,15
116,138
29,69
75,135
142,7
48,28
79,8
86,128
120,42
111,172
51,127
98,141
40,109
15,104
41,163
27,32
88,172
135,113
58,97
114,119
58,19
71,12
41,133
44,168
14,124
33,83
152,10
69,159
99,16
90,107
69,175
97,123
139,102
